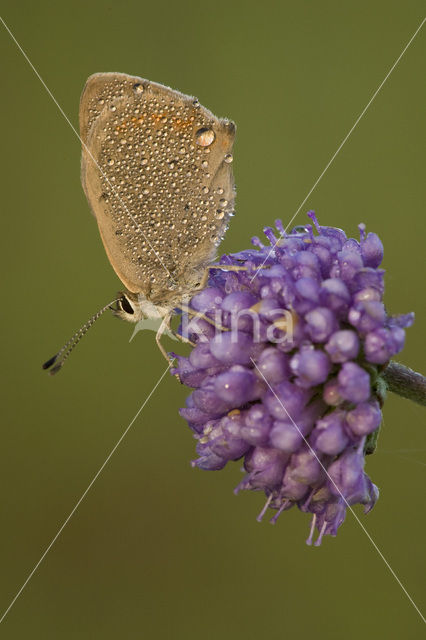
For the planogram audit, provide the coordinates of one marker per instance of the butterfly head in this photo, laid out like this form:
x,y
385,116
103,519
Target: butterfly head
x,y
134,307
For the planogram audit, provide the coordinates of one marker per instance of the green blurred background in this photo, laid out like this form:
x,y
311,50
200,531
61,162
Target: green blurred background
x,y
157,549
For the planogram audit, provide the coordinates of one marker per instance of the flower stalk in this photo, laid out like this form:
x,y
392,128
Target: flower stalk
x,y
405,382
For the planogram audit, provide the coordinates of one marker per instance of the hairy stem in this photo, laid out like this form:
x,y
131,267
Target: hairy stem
x,y
405,382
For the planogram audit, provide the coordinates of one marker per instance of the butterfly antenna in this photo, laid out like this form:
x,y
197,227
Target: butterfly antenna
x,y
64,353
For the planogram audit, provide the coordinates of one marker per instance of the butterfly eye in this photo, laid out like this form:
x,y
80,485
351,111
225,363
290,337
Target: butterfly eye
x,y
126,306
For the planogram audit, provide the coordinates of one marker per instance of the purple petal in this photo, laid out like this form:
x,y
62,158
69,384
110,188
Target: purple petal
x,y
354,383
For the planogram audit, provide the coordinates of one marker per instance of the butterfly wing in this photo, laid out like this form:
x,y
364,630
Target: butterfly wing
x,y
157,172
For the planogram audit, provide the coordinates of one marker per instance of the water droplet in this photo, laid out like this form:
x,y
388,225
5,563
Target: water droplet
x,y
223,202
112,107
205,190
205,164
205,137
228,158
144,161
110,162
138,87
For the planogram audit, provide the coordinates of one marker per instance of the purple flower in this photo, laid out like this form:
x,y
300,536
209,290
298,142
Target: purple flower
x,y
354,383
288,353
310,366
329,435
343,346
364,418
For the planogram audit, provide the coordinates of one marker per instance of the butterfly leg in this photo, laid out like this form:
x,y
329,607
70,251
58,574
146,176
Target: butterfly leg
x,y
182,338
165,324
223,267
202,316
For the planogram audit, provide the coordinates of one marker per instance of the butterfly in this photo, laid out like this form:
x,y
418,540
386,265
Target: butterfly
x,y
157,172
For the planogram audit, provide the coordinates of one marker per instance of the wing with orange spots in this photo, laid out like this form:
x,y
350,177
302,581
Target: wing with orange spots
x,y
156,170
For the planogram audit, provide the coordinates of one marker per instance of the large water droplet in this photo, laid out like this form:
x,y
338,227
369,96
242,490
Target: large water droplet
x,y
228,158
138,87
204,137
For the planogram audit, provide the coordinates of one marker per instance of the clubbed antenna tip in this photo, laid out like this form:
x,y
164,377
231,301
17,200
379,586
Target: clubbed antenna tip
x,y
69,346
49,362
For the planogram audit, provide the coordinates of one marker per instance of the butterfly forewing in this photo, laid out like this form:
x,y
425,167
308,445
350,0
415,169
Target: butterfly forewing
x,y
156,169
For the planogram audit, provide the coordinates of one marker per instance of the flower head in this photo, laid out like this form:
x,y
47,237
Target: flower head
x,y
289,342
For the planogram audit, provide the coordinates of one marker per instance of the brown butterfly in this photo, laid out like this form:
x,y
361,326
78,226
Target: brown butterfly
x,y
157,172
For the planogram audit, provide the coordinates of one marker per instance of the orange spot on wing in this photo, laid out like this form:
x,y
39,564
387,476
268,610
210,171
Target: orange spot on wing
x,y
122,126
177,123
